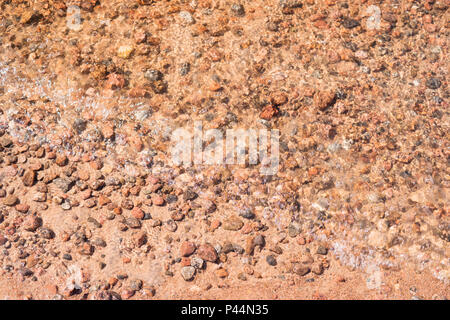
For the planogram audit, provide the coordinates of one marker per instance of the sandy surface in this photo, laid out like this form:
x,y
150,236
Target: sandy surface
x,y
92,205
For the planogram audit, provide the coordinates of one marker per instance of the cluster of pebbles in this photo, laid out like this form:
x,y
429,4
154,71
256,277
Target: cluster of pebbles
x,y
88,192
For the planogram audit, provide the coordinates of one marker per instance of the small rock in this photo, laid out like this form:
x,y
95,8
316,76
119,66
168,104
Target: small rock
x,y
137,213
238,9
133,223
153,75
125,51
5,142
10,200
67,257
28,178
322,250
317,268
271,260
31,223
433,83
136,285
221,273
188,273
233,224
189,194
207,252
187,248
349,23
61,160
259,241
324,99
187,17
47,233
300,269
197,262
64,184
22,207
247,213
140,239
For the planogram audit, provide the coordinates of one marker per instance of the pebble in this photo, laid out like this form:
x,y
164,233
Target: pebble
x,y
29,178
271,260
61,160
349,23
322,250
125,51
153,75
133,223
22,207
137,213
187,17
187,248
188,273
233,223
67,256
247,213
300,269
46,233
197,263
136,285
5,142
31,223
221,273
259,241
238,9
10,200
433,83
66,205
324,99
207,252
64,184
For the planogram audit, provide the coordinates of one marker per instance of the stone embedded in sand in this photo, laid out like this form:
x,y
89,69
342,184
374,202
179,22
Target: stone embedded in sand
x,y
125,51
10,200
31,223
140,239
300,269
22,207
197,262
5,142
187,17
188,273
86,249
46,233
259,241
61,160
114,81
270,259
30,16
133,223
221,273
278,98
137,213
322,250
158,200
233,224
187,248
207,252
103,200
268,112
63,183
324,99
238,9
317,268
